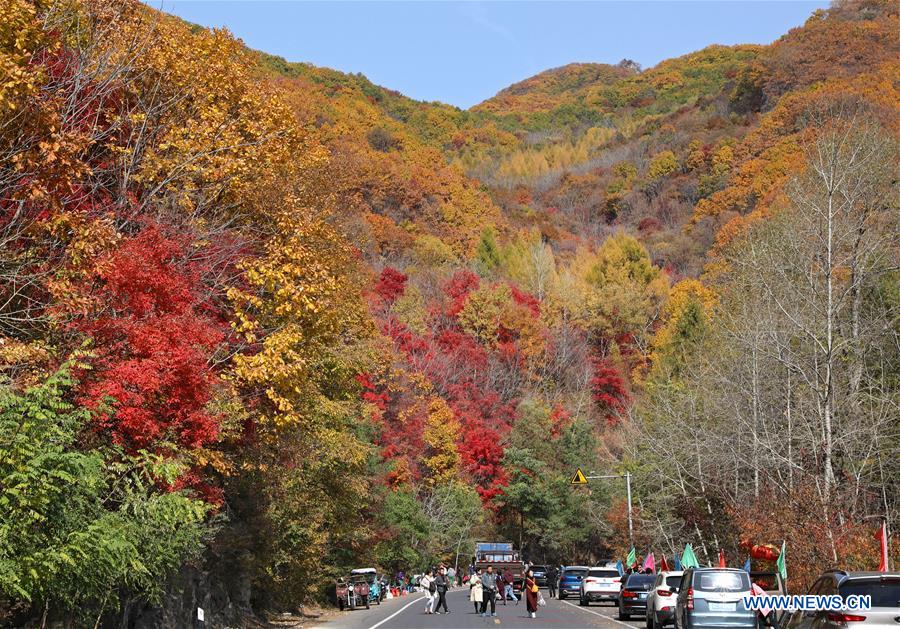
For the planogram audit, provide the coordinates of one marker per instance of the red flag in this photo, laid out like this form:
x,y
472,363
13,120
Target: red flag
x,y
881,536
664,565
722,559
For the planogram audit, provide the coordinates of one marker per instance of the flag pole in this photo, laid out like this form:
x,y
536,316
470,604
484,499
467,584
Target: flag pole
x,y
887,545
628,492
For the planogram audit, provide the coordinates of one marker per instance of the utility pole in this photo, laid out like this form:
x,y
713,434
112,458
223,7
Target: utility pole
x,y
627,477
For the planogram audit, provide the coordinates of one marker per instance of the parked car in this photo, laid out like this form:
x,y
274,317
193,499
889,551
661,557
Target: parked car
x,y
352,592
883,587
540,575
713,597
773,585
600,584
771,582
633,597
570,580
377,590
661,600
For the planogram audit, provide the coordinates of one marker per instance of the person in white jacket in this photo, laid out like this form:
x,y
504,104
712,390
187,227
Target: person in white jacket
x,y
429,589
476,594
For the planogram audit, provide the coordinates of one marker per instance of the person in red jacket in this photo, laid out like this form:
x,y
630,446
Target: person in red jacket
x,y
531,593
508,591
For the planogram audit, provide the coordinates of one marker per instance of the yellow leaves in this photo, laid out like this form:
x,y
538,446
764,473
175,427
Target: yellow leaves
x,y
27,362
525,164
299,307
433,252
662,164
529,262
615,291
667,79
722,159
410,310
491,311
441,434
203,457
223,131
682,294
21,35
481,315
696,159
688,309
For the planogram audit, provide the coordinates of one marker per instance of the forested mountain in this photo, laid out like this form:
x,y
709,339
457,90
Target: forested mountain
x,y
270,321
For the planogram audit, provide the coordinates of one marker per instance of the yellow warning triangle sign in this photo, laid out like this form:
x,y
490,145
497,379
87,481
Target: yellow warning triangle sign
x,y
579,478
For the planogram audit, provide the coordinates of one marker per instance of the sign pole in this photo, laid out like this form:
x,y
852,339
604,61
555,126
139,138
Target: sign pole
x,y
581,479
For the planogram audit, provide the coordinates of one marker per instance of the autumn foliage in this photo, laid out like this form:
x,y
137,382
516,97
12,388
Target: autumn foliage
x,y
317,316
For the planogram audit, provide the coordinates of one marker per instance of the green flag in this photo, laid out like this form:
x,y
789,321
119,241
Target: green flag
x,y
631,559
780,564
688,558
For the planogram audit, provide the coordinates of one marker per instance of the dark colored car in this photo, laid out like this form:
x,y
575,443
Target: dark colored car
x,y
540,575
633,597
570,580
773,585
882,587
771,582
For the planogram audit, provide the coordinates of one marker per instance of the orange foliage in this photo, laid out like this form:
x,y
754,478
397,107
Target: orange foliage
x,y
813,535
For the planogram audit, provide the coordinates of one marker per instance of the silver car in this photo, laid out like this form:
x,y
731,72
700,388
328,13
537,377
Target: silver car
x,y
883,587
713,597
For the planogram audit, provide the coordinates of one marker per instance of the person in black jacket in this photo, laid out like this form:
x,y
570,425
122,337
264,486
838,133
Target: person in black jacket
x,y
552,577
443,584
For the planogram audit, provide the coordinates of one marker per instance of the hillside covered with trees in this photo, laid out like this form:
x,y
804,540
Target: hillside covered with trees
x,y
267,322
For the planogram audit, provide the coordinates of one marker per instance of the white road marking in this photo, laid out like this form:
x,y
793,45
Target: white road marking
x,y
591,611
399,611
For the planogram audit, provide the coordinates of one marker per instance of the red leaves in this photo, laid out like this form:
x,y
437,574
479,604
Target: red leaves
x,y
560,419
482,457
526,299
458,288
390,285
151,380
609,390
371,392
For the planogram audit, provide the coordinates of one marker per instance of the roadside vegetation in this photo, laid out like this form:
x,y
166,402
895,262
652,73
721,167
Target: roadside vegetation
x,y
274,322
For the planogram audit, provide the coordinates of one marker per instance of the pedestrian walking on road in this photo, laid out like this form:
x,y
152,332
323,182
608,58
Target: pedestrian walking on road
x,y
552,576
508,591
476,593
531,593
429,588
442,584
489,585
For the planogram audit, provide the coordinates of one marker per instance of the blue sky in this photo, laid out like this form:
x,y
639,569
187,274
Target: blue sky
x,y
464,52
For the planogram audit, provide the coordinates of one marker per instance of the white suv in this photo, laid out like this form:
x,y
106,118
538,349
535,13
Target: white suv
x,y
661,600
600,584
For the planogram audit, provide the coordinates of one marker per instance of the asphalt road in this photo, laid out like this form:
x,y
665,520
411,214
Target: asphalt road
x,y
407,612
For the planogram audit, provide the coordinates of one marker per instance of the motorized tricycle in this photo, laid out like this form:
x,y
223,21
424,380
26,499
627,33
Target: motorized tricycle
x,y
352,592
